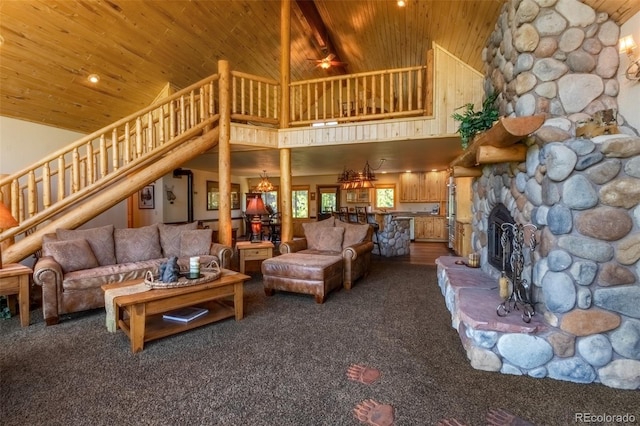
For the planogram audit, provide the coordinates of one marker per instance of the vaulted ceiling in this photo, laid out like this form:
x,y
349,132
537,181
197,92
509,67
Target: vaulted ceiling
x,y
137,47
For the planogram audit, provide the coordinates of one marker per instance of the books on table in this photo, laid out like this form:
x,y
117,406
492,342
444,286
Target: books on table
x,y
185,314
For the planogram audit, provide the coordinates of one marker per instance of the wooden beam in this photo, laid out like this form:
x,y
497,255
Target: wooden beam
x,y
319,31
490,154
460,171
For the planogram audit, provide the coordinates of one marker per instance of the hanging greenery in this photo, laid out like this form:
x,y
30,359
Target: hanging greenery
x,y
473,122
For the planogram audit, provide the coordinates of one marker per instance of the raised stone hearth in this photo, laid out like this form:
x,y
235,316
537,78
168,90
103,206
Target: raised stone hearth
x,y
559,58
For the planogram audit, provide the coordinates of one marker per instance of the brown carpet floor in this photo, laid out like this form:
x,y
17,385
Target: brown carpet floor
x,y
286,363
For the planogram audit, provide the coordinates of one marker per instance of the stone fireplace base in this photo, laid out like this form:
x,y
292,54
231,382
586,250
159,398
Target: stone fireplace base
x,y
511,346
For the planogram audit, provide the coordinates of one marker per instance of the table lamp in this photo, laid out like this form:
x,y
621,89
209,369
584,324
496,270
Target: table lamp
x,y
6,221
255,209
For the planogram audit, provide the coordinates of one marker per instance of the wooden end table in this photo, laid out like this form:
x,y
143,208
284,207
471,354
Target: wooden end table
x,y
14,279
253,251
139,315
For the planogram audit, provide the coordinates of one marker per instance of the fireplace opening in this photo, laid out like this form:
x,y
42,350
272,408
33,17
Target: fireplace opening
x,y
497,217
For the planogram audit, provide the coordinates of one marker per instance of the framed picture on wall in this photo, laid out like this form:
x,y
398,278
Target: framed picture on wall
x,y
235,196
213,195
146,198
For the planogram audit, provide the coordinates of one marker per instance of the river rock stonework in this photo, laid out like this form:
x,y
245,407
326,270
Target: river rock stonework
x,y
394,237
559,58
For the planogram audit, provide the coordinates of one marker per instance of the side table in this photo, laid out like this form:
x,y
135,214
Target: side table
x,y
14,279
253,251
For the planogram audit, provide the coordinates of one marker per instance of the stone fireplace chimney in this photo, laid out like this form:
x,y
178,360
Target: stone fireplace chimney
x,y
559,58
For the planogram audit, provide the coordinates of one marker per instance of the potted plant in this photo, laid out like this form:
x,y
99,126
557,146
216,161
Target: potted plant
x,y
473,122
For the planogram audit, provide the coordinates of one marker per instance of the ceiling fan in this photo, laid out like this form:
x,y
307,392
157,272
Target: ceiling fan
x,y
328,62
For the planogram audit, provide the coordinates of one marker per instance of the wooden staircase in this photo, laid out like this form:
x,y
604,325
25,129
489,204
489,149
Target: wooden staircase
x,y
72,185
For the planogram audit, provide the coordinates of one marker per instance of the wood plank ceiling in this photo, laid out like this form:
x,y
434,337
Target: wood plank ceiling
x,y
138,47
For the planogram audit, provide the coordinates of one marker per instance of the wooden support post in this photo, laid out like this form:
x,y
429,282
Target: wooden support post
x,y
488,154
286,228
429,84
224,154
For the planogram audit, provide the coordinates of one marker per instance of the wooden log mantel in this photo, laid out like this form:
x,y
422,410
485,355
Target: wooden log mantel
x,y
490,154
504,133
460,171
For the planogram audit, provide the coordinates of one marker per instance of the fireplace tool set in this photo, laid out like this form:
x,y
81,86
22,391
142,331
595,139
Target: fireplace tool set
x,y
520,297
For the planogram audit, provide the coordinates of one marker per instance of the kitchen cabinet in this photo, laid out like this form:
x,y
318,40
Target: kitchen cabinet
x,y
423,187
440,228
409,187
431,228
436,184
462,242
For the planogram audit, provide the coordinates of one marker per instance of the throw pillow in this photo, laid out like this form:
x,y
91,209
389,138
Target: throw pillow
x,y
100,239
314,230
48,238
137,244
72,255
331,239
353,233
170,237
196,242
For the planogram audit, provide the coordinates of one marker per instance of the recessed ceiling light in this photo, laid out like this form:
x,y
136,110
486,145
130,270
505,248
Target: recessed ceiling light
x,y
93,78
402,3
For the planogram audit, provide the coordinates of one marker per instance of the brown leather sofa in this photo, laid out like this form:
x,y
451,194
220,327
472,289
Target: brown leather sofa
x,y
355,248
76,263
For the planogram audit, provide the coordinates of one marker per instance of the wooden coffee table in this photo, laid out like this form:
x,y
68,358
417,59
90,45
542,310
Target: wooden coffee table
x,y
139,315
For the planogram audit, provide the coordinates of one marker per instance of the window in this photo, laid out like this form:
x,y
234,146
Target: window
x,y
300,202
271,199
385,196
328,199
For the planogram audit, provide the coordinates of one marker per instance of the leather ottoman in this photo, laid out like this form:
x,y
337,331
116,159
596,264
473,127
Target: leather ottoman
x,y
302,273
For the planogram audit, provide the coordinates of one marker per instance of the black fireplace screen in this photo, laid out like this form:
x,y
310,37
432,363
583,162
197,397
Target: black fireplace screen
x,y
497,217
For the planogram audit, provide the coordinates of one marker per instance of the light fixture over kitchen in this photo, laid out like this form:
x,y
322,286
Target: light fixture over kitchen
x,y
350,179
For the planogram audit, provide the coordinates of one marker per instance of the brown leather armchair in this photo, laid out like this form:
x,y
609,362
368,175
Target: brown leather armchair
x,y
356,249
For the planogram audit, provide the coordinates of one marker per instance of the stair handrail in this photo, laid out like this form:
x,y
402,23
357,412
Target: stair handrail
x,y
84,193
77,144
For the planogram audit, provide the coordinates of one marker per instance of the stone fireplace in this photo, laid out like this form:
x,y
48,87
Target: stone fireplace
x,y
559,58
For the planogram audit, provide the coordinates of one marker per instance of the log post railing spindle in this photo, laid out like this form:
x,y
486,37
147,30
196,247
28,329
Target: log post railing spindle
x,y
46,186
32,194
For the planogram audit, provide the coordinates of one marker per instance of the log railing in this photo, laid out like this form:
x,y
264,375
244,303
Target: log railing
x,y
254,99
70,175
365,96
